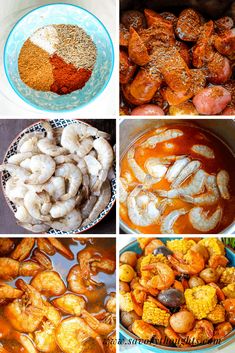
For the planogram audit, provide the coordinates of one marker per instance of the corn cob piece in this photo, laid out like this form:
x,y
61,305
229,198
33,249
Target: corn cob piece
x,y
150,259
125,302
201,300
153,315
217,315
180,245
143,242
213,245
228,275
229,291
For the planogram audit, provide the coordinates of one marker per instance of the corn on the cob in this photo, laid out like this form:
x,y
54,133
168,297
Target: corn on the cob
x,y
180,245
125,302
213,245
201,300
229,291
143,242
153,315
217,315
228,275
150,259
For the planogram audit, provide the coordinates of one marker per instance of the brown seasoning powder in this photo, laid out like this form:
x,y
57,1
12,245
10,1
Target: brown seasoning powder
x,y
34,67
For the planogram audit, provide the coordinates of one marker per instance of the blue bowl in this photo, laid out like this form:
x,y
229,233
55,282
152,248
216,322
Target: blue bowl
x,y
60,14
134,246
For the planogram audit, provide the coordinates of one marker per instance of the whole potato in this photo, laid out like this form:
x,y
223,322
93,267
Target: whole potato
x,y
124,287
127,318
209,275
212,100
126,273
195,281
147,109
129,257
182,322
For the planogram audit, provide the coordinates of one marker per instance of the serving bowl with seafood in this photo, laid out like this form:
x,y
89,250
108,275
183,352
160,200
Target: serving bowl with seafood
x,y
176,59
175,177
57,295
177,294
58,176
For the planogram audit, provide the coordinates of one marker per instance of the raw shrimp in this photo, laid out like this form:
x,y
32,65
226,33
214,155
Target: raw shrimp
x,y
222,179
42,259
48,145
36,204
42,167
63,250
163,277
69,222
193,263
151,142
28,141
55,187
155,169
62,208
6,246
48,283
23,249
123,186
201,333
222,330
204,151
145,331
99,327
35,228
70,304
72,333
176,168
72,175
16,171
188,170
45,339
15,190
25,314
169,220
211,197
8,292
202,221
103,200
19,157
93,165
105,157
87,207
24,217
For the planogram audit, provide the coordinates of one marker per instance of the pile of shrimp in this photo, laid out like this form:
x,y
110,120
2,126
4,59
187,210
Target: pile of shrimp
x,y
176,293
43,313
60,178
173,178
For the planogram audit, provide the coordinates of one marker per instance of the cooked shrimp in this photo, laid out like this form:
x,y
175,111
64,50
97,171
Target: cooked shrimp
x,y
45,246
204,151
72,175
170,134
201,333
188,170
145,331
63,250
36,203
51,313
85,259
19,157
202,221
69,222
16,171
6,246
222,179
8,292
222,330
72,333
42,259
70,304
110,305
99,327
62,208
3,350
103,265
9,268
77,283
25,341
210,197
193,263
176,168
25,314
169,220
23,249
45,339
42,167
163,277
48,283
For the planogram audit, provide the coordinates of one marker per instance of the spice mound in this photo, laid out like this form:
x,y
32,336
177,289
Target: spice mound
x,y
57,58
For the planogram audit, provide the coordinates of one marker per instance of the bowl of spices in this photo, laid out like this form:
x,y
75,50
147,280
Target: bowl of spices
x,y
58,57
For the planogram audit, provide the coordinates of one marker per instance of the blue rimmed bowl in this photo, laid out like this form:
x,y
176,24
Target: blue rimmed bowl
x,y
144,347
60,14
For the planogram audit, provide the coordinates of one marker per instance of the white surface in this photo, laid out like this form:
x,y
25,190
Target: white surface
x,y
103,106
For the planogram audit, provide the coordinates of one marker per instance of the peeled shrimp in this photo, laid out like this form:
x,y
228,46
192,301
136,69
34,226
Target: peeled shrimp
x,y
42,259
152,141
77,283
15,189
123,194
12,268
16,171
25,341
193,263
211,197
45,339
87,207
69,222
42,167
203,222
163,277
28,141
6,246
36,203
93,165
23,249
169,220
8,292
204,151
24,217
155,169
72,333
176,168
99,327
48,145
222,179
19,157
73,175
145,331
62,249
35,228
48,283
188,170
55,187
70,304
62,208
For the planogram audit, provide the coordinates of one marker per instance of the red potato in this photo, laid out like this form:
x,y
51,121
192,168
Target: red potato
x,y
148,109
219,69
212,100
127,68
188,25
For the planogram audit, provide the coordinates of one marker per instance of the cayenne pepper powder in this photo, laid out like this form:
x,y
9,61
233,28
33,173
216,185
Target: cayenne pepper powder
x,y
66,77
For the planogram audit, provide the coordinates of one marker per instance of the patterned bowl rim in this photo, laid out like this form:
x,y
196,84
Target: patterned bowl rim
x,y
55,231
53,110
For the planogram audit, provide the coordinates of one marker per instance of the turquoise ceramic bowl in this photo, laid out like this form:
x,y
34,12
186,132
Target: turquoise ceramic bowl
x,y
145,348
60,14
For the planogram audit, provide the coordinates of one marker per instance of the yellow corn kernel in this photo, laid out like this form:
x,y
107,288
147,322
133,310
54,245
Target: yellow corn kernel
x,y
228,275
229,291
213,245
153,315
125,302
217,315
201,300
180,245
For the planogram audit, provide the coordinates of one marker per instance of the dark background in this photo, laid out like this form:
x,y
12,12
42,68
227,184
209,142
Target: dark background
x,y
9,129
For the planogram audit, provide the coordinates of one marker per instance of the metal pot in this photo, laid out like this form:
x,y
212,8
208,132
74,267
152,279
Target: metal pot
x,y
132,129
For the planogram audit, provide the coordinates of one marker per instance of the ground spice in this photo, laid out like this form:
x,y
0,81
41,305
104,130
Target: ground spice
x,y
34,67
66,77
